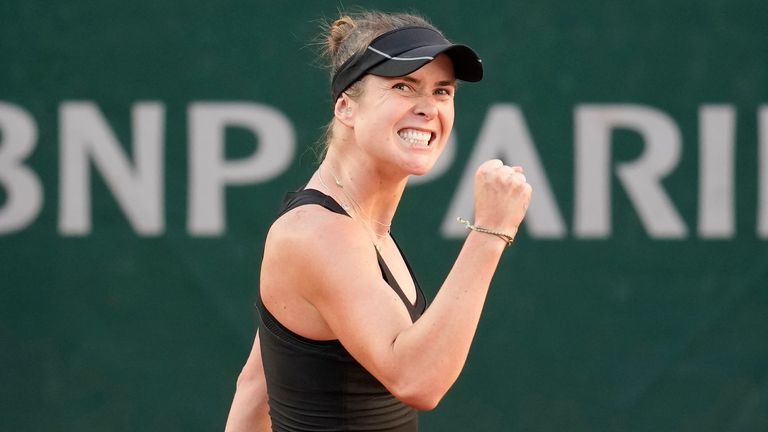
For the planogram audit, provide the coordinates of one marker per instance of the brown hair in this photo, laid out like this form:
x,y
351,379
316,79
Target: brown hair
x,y
350,34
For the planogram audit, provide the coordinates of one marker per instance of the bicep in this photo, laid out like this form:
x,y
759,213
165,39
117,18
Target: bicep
x,y
361,309
331,264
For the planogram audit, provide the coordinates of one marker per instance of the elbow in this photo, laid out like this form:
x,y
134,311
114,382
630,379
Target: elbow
x,y
249,380
419,396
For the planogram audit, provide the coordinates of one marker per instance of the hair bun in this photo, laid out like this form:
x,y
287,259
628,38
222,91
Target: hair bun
x,y
339,31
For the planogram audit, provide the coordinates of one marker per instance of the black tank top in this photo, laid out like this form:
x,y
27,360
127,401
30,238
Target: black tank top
x,y
317,385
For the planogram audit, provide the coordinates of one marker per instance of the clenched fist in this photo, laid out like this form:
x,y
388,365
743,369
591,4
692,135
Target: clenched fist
x,y
502,195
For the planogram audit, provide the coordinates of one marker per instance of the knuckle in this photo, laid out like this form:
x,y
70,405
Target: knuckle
x,y
528,191
517,180
480,173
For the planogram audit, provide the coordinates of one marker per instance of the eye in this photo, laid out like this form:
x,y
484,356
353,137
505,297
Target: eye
x,y
402,86
444,91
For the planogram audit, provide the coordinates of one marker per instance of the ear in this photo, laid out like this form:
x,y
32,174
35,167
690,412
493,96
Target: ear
x,y
343,110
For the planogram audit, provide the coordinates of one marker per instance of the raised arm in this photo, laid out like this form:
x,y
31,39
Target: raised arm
x,y
417,362
438,344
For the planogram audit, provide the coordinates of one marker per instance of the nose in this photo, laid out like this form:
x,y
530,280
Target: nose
x,y
426,107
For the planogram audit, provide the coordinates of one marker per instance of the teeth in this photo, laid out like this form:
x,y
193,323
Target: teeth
x,y
415,137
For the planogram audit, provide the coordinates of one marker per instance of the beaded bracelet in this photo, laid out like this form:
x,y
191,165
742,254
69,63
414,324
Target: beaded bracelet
x,y
506,237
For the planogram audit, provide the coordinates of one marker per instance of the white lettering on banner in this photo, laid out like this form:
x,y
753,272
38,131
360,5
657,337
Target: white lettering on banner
x,y
504,135
24,194
762,172
210,172
86,136
716,177
136,178
640,178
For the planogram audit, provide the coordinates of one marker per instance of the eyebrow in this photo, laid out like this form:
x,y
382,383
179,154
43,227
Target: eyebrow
x,y
438,84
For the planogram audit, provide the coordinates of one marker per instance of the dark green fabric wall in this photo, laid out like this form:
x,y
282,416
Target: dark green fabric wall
x,y
112,328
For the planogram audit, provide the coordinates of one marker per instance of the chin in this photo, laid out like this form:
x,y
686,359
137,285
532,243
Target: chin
x,y
420,170
420,164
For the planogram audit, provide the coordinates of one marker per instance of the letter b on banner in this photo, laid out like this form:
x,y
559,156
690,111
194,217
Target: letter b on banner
x,y
24,194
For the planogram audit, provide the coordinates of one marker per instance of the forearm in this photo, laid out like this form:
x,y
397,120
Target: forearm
x,y
438,343
250,410
435,348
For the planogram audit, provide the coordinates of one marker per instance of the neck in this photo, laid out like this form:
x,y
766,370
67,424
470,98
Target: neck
x,y
358,184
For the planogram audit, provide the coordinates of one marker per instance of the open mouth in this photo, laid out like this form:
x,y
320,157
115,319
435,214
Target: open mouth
x,y
416,138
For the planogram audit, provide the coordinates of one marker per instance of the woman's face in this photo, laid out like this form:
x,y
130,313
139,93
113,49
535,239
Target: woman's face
x,y
404,122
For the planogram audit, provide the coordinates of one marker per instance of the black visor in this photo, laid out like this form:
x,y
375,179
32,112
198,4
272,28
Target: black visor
x,y
402,51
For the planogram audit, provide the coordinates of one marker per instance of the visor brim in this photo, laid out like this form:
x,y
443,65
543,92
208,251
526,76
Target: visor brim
x,y
467,65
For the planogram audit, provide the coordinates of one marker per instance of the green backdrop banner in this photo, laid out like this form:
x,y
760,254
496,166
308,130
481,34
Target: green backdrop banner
x,y
145,147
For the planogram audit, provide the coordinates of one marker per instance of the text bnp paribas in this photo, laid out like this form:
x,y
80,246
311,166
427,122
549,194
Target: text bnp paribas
x,y
87,144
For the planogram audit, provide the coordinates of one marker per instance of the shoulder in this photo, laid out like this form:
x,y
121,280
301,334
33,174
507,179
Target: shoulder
x,y
317,264
314,239
311,226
